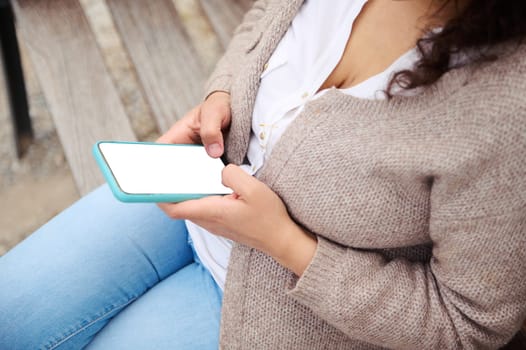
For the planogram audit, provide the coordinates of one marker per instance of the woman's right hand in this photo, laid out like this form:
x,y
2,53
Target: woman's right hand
x,y
203,124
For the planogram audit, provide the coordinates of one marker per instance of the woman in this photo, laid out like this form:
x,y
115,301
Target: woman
x,y
373,220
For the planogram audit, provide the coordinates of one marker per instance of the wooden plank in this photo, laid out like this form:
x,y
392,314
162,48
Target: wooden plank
x,y
224,16
121,69
78,90
166,62
200,31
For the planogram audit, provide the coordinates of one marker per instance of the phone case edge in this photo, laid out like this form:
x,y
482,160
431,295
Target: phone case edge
x,y
137,198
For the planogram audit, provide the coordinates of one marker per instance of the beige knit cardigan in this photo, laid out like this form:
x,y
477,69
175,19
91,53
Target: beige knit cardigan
x,y
418,204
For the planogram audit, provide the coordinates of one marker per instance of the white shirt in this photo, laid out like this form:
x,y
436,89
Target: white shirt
x,y
303,60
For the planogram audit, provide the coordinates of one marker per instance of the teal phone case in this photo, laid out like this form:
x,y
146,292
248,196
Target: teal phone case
x,y
133,197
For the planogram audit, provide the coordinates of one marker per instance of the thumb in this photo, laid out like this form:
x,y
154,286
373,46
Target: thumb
x,y
212,137
212,119
239,181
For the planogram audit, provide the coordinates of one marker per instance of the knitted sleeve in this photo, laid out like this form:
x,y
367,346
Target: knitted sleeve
x,y
472,293
243,38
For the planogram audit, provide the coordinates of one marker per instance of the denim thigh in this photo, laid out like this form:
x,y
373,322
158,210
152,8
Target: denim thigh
x,y
182,312
63,284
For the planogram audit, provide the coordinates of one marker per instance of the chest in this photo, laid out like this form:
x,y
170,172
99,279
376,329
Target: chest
x,y
355,179
380,33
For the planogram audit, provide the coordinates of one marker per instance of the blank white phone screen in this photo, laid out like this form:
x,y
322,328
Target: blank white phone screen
x,y
163,169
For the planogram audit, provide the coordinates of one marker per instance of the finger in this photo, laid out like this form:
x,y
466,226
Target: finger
x,y
213,118
207,208
183,131
212,136
178,134
239,181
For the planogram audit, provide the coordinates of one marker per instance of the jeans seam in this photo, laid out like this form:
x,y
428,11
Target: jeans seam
x,y
74,333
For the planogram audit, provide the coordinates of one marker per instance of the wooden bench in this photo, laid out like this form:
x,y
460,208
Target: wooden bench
x,y
78,88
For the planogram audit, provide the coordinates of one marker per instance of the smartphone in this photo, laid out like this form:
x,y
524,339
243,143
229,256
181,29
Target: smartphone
x,y
154,172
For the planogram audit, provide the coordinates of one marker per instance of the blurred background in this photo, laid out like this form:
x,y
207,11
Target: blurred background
x,y
39,185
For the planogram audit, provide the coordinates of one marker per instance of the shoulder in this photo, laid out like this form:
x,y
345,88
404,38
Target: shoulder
x,y
502,80
488,115
487,97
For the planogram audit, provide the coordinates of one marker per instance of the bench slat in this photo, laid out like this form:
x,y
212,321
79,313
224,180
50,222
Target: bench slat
x,y
167,64
224,16
79,92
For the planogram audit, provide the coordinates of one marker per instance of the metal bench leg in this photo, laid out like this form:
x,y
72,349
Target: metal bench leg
x,y
15,80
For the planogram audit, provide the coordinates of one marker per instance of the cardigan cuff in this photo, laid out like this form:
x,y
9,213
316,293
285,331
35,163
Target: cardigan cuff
x,y
218,83
325,265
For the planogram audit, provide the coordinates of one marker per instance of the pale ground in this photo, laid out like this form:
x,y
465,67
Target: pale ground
x,y
38,186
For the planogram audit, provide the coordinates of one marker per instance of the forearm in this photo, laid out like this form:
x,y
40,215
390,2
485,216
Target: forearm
x,y
446,304
369,299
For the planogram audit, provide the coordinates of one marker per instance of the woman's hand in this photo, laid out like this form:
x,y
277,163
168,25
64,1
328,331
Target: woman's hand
x,y
254,215
203,124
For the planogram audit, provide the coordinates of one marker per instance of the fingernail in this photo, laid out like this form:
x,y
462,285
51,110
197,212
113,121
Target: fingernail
x,y
214,150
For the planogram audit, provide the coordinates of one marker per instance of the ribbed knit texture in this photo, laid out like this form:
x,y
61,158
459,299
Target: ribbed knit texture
x,y
418,203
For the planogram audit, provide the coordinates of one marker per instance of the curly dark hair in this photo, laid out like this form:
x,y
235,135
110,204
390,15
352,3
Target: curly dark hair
x,y
478,27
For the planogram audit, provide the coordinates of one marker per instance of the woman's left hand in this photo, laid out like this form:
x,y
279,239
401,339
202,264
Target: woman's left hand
x,y
253,215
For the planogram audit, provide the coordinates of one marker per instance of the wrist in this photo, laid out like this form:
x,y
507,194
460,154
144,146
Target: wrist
x,y
297,249
217,93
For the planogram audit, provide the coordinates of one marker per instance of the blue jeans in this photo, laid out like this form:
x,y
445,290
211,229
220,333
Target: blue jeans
x,y
107,275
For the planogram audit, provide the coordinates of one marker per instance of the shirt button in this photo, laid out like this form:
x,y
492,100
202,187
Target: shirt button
x,y
265,66
262,135
304,95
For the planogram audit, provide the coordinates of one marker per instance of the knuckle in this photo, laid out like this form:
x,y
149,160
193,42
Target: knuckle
x,y
215,114
223,110
191,120
208,132
192,116
229,168
226,172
